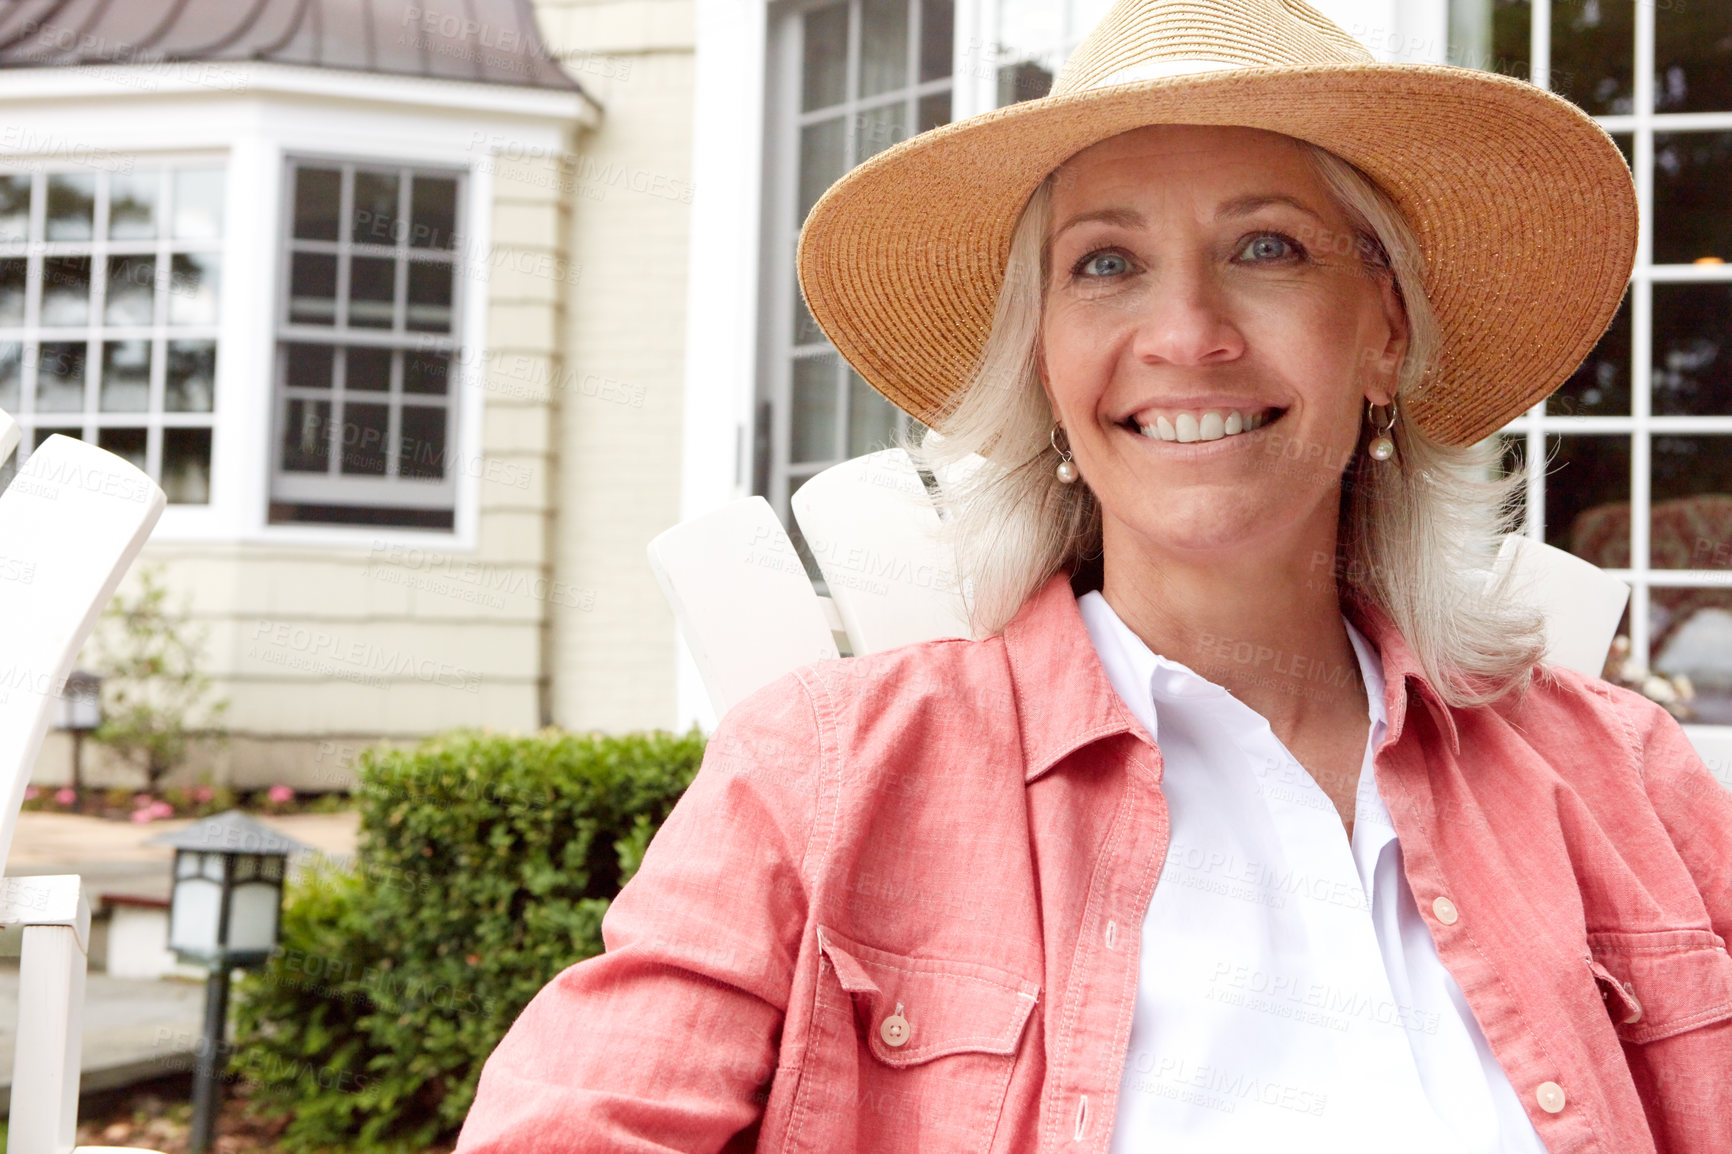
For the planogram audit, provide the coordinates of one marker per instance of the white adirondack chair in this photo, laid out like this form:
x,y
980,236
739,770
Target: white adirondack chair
x,y
76,516
748,614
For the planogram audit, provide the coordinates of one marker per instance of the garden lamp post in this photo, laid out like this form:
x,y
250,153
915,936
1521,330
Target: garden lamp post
x,y
223,910
80,711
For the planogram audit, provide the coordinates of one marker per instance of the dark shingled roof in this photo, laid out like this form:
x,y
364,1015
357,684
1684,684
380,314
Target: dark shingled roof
x,y
488,41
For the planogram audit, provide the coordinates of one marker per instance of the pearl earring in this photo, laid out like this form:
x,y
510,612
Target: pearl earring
x,y
1382,446
1066,471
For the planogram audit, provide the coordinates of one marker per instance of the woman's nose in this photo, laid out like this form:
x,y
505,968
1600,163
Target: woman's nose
x,y
1184,321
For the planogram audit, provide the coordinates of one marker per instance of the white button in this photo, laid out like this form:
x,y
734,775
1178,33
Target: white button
x,y
1551,1097
894,1029
1446,913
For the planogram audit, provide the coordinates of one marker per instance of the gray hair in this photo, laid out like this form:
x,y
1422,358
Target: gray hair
x,y
1417,533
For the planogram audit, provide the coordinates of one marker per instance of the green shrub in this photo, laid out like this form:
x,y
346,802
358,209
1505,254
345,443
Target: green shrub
x,y
484,868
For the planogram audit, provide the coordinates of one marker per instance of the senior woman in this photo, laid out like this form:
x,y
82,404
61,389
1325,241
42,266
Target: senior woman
x,y
1250,821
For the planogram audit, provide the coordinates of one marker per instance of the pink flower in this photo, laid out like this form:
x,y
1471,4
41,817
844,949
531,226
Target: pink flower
x,y
202,793
142,799
66,795
31,793
280,794
153,811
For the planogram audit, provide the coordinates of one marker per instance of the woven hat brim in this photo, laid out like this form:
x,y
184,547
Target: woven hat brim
x,y
1524,208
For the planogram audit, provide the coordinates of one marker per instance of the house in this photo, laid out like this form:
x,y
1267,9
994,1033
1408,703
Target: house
x,y
428,316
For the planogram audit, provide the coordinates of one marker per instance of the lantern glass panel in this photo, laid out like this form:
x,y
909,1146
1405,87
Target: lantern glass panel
x,y
271,867
213,866
253,917
186,864
195,915
246,867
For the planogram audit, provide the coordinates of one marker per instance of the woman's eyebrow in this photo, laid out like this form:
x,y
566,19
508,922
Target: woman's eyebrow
x,y
1127,217
1246,205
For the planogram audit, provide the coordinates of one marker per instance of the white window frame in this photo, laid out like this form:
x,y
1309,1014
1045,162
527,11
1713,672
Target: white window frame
x,y
91,419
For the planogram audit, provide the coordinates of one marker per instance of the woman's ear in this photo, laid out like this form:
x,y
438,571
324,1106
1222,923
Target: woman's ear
x,y
1385,363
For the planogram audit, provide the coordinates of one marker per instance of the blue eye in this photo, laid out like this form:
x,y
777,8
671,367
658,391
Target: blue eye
x,y
1103,264
1269,246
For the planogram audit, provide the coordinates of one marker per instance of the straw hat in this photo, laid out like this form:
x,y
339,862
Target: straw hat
x,y
1524,208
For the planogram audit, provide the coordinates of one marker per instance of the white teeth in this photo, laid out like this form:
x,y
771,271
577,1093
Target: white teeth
x,y
1209,426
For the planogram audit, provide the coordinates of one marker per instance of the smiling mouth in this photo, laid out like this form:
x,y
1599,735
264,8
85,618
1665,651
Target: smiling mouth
x,y
1187,427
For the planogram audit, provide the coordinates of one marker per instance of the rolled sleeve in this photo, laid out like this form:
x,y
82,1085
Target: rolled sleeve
x,y
667,1040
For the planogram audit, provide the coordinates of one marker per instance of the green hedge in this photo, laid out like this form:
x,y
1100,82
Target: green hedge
x,y
484,867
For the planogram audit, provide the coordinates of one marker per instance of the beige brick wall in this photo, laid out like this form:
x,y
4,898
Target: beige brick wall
x,y
619,436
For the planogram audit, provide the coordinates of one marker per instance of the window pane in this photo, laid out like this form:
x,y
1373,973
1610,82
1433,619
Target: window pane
x,y
877,129
933,111
306,436
367,370
11,374
1692,498
821,163
364,429
824,71
937,30
198,203
1600,386
1594,54
375,220
433,211
806,330
186,466
318,200
429,306
1512,25
813,419
426,371
871,418
1030,27
1588,497
14,207
1692,349
131,298
132,205
1692,57
309,366
65,290
883,45
1692,171
1691,633
313,289
372,289
12,292
192,288
43,434
421,449
1019,82
191,379
125,386
127,444
60,377
71,205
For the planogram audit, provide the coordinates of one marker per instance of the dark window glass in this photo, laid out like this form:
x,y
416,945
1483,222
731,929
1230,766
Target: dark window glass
x,y
871,418
318,200
421,448
186,466
11,374
1594,54
131,298
71,205
1024,81
372,291
876,129
825,72
1692,56
364,429
190,386
426,371
375,220
127,444
1588,497
429,305
933,111
125,385
12,286
1692,172
1692,350
313,289
192,288
132,205
308,366
306,436
14,207
1692,499
60,377
937,38
1600,386
65,290
822,153
883,46
367,370
814,413
433,212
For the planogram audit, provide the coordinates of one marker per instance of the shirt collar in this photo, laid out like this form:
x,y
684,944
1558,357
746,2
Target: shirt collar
x,y
1065,700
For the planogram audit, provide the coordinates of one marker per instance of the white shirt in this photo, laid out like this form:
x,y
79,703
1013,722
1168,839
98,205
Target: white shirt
x,y
1289,996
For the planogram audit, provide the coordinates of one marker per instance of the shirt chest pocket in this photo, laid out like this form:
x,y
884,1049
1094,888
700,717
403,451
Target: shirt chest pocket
x,y
1660,983
909,1053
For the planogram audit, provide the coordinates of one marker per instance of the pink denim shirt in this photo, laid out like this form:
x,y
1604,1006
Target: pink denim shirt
x,y
898,910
